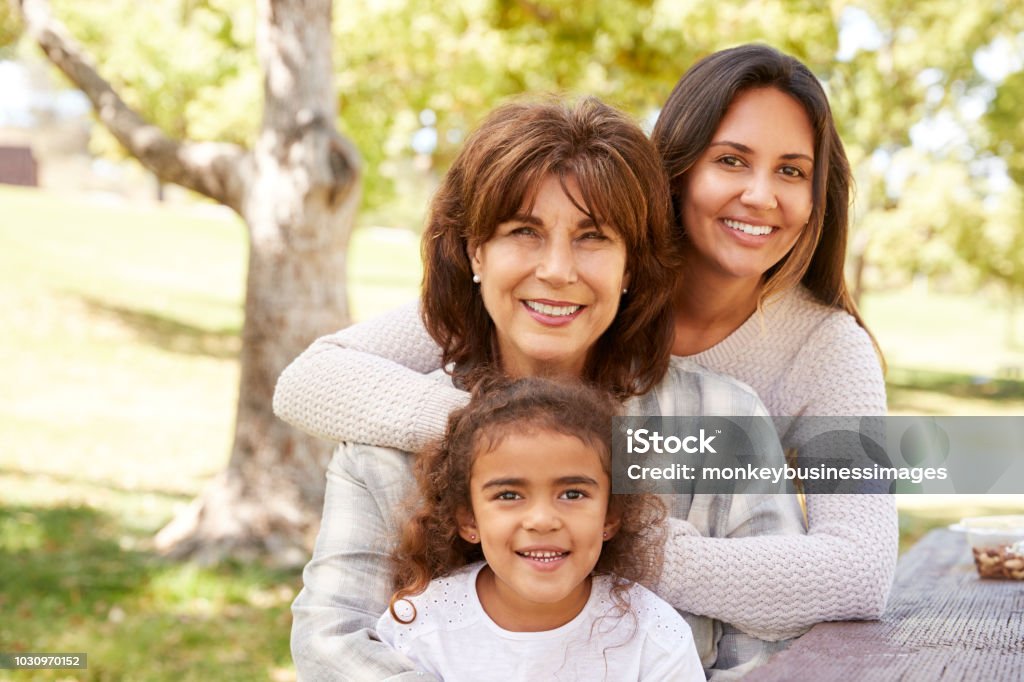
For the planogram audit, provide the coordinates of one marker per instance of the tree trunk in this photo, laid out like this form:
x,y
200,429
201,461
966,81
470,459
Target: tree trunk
x,y
298,192
858,263
299,209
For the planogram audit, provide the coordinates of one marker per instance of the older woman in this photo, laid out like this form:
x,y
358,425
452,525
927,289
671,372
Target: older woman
x,y
547,252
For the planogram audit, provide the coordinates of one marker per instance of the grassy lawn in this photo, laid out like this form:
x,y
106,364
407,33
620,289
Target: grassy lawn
x,y
117,405
121,329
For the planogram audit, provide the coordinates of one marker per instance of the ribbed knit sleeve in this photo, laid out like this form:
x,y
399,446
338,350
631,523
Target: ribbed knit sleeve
x,y
367,384
774,587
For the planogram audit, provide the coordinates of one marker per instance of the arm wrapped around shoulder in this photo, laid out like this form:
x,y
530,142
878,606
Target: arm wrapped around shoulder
x,y
364,384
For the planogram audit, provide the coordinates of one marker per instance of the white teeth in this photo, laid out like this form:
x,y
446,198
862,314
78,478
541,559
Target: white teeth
x,y
543,556
553,310
756,230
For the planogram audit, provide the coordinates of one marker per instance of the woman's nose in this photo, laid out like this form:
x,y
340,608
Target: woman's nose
x,y
760,193
557,263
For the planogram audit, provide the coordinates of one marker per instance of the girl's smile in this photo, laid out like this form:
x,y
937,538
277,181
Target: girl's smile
x,y
540,503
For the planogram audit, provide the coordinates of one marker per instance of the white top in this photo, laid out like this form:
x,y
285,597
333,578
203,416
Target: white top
x,y
453,638
366,384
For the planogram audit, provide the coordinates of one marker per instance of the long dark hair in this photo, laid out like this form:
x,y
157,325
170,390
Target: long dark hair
x,y
621,184
685,129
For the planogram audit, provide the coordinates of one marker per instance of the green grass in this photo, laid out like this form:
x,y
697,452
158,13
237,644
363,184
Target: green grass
x,y
77,580
958,334
117,405
922,513
118,358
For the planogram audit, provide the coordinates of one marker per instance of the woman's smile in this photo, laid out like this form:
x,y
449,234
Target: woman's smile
x,y
747,227
554,313
551,278
748,197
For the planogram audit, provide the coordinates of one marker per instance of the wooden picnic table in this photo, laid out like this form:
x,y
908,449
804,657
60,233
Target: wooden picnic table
x,y
942,623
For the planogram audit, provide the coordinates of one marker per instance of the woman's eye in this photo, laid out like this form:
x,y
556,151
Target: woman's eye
x,y
730,161
595,235
523,231
792,171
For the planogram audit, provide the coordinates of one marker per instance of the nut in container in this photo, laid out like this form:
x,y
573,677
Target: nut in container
x,y
997,543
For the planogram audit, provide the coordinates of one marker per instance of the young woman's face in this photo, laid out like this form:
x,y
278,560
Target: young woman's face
x,y
748,197
539,509
551,281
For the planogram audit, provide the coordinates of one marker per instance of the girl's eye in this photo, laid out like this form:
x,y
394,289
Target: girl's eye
x,y
574,494
507,495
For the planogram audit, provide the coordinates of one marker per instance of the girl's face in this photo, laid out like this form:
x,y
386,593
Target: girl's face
x,y
748,197
540,511
551,281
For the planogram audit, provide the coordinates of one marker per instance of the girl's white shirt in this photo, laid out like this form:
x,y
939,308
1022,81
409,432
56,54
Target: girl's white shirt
x,y
454,638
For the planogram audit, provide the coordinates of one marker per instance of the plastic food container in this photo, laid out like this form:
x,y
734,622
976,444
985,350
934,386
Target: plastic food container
x,y
997,543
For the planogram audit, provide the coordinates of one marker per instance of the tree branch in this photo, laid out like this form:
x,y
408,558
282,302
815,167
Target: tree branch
x,y
217,170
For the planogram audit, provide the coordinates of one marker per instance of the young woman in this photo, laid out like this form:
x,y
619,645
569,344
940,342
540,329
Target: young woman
x,y
546,253
761,190
518,563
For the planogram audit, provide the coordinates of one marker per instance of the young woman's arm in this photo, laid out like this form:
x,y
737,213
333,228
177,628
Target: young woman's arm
x,y
367,384
773,587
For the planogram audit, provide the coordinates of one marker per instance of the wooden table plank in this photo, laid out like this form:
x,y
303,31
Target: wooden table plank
x,y
942,623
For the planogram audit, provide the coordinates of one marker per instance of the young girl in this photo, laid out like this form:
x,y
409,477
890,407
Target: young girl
x,y
519,564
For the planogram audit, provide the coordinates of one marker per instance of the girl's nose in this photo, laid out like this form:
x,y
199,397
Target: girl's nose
x,y
557,263
760,193
541,518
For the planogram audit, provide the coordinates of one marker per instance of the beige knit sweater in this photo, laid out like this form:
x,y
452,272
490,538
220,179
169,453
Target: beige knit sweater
x,y
366,384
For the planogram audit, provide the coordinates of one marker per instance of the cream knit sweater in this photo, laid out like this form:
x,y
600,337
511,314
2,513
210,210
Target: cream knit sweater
x,y
366,384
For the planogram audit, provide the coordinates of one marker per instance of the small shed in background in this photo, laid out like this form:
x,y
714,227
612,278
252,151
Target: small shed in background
x,y
18,166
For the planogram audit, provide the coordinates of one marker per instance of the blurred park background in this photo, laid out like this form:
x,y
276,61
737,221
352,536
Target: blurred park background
x,y
123,293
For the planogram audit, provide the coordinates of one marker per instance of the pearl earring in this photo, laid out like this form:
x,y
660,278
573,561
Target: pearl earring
x,y
625,291
476,279
472,537
605,535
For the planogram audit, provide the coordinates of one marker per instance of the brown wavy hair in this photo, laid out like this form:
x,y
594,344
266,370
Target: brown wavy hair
x,y
684,131
430,545
622,185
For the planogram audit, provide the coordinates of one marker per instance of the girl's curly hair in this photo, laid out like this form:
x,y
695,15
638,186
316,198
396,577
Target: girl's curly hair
x,y
431,547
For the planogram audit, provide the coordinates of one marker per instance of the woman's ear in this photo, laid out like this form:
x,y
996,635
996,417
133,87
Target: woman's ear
x,y
467,526
473,252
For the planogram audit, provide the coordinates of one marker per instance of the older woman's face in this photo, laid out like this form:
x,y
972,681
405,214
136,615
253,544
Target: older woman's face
x,y
748,197
551,281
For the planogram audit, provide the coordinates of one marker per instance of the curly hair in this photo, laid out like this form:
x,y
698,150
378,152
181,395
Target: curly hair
x,y
431,547
622,184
